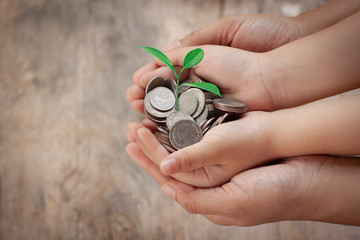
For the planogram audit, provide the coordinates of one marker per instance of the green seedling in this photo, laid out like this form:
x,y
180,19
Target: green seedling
x,y
191,59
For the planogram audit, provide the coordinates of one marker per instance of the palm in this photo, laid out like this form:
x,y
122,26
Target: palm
x,y
229,151
251,193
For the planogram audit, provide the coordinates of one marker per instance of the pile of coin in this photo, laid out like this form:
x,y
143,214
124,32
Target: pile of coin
x,y
198,111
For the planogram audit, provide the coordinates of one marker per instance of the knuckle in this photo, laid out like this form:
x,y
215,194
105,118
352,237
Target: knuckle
x,y
190,160
191,207
191,38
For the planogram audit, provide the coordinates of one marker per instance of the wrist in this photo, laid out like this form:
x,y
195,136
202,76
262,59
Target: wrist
x,y
262,127
326,189
325,16
306,25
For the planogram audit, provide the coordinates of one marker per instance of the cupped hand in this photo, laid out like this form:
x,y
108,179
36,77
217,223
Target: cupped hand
x,y
256,33
224,151
317,188
239,74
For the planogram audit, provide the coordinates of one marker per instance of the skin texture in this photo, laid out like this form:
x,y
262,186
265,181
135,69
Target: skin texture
x,y
226,150
329,126
301,188
240,187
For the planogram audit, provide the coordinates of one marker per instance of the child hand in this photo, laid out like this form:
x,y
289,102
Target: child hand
x,y
239,74
224,151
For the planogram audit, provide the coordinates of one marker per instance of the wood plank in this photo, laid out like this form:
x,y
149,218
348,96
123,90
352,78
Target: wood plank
x,y
64,69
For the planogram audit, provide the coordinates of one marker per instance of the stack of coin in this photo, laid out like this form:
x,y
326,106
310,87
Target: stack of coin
x,y
199,111
159,100
230,105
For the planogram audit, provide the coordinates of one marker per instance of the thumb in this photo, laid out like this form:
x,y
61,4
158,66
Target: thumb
x,y
217,33
218,63
198,200
193,157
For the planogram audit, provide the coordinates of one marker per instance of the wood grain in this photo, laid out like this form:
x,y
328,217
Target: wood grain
x,y
64,69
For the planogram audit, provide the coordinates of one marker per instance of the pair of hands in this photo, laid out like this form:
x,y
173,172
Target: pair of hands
x,y
291,187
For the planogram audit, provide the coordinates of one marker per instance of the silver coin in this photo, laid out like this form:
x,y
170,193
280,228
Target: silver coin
x,y
171,84
208,101
201,101
153,118
210,95
155,115
202,123
175,117
154,82
169,148
185,133
162,138
203,116
182,89
196,78
162,128
207,123
216,122
211,107
230,105
188,102
206,130
162,98
223,118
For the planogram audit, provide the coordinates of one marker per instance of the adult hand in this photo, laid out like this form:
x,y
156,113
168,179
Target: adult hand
x,y
260,33
256,33
317,188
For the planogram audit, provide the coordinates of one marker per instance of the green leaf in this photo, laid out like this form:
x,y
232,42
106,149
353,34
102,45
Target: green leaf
x,y
193,57
206,86
159,55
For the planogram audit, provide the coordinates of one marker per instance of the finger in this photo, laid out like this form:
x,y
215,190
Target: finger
x,y
162,71
216,33
151,146
138,105
219,62
135,92
133,127
198,200
144,162
198,155
128,95
221,32
145,69
149,124
222,220
130,137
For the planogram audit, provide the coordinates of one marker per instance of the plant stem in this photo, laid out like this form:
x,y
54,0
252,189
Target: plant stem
x,y
177,89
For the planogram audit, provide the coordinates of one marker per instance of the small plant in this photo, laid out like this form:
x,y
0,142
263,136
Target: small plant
x,y
191,59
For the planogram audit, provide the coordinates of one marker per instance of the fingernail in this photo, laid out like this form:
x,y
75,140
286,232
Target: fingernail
x,y
168,166
168,191
171,46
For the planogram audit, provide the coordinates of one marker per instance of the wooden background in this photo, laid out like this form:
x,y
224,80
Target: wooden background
x,y
64,69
